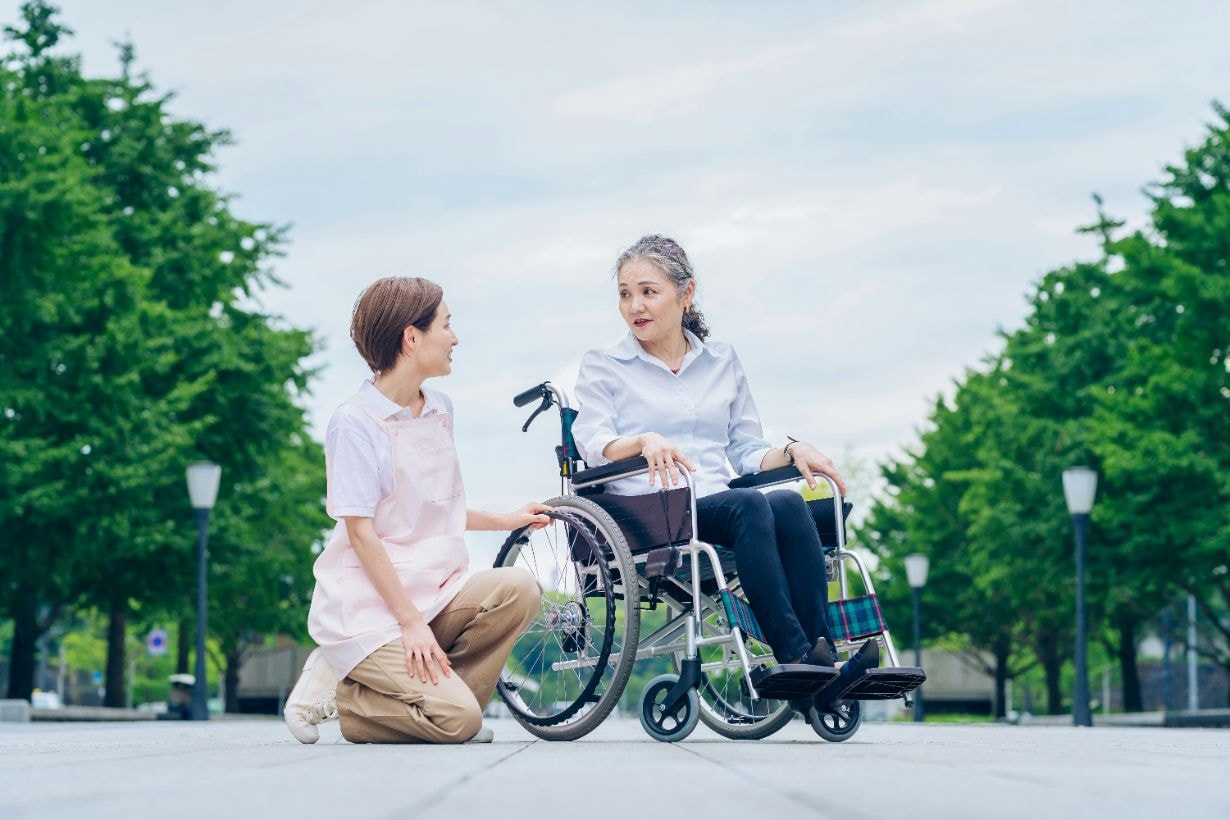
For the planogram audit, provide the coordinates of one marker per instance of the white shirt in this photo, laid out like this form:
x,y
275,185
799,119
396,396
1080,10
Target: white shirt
x,y
706,410
358,455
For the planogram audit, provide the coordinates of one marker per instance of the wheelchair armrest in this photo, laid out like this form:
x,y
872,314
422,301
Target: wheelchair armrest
x,y
830,514
616,469
778,475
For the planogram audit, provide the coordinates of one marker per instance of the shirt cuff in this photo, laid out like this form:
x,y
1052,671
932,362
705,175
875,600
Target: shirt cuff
x,y
596,446
338,513
753,460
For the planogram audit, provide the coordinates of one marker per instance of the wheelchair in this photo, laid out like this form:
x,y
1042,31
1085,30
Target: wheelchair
x,y
605,558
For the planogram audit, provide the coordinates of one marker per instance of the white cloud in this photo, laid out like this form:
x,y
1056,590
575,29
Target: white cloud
x,y
867,191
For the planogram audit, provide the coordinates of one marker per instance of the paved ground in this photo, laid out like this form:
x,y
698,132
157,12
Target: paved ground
x,y
252,768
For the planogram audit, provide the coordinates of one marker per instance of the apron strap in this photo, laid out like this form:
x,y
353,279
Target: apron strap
x,y
359,403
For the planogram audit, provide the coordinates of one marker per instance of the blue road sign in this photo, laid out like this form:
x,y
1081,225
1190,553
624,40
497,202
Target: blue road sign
x,y
156,643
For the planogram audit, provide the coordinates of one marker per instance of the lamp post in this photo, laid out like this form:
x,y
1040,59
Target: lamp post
x,y
1080,485
1193,668
203,478
916,567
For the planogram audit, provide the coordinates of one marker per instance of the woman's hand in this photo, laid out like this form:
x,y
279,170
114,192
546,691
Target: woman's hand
x,y
811,461
421,649
531,515
663,458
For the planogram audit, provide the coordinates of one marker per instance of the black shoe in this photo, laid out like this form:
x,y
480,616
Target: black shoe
x,y
867,657
822,653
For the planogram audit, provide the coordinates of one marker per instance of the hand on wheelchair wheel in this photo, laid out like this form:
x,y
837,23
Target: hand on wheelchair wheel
x,y
664,459
530,515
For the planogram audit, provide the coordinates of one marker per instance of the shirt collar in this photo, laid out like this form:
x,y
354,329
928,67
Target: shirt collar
x,y
386,408
629,348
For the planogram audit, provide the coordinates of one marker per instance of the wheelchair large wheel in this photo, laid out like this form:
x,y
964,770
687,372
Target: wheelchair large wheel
x,y
725,705
568,669
838,724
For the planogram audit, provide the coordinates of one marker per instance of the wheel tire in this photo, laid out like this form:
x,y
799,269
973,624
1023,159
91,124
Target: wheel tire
x,y
673,727
600,692
838,725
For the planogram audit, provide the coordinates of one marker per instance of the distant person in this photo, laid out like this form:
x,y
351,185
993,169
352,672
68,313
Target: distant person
x,y
417,640
668,394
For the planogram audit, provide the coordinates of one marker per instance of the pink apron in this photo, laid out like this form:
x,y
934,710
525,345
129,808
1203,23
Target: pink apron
x,y
422,525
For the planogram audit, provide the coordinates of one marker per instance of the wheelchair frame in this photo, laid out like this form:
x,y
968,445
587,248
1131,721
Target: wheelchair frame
x,y
684,631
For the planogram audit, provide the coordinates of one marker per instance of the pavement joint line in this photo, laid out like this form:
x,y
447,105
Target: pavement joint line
x,y
439,794
805,801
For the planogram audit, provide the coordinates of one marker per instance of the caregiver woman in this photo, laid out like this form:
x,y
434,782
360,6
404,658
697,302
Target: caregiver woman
x,y
417,640
668,394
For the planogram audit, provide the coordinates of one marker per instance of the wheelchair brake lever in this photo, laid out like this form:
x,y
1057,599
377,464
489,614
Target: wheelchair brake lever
x,y
546,403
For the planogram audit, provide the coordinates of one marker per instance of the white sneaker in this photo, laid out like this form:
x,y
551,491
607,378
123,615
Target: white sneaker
x,y
313,700
485,735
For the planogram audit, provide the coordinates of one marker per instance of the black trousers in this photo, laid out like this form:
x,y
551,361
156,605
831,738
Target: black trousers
x,y
779,560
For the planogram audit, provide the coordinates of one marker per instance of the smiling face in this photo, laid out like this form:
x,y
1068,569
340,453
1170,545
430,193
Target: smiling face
x,y
432,349
649,302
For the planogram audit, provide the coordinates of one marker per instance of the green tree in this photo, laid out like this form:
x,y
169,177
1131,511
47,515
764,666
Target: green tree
x,y
130,346
71,312
937,505
1121,364
1161,423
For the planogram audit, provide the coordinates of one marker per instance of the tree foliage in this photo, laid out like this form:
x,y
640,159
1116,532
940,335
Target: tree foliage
x,y
133,343
1122,365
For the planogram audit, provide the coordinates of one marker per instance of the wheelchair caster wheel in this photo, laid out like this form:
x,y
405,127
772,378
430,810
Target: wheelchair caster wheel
x,y
839,724
661,723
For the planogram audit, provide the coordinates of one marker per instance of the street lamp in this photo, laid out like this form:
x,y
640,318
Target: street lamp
x,y
203,478
1080,485
916,567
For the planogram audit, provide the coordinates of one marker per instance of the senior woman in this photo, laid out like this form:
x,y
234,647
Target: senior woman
x,y
667,393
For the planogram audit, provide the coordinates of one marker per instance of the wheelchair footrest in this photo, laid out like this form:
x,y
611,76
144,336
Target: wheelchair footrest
x,y
790,681
886,684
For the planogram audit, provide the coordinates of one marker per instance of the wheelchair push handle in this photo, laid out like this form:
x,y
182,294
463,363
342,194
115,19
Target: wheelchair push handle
x,y
544,391
538,391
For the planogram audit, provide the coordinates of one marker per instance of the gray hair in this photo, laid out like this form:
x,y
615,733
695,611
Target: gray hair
x,y
668,256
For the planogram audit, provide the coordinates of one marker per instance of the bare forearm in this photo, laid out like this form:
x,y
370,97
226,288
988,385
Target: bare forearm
x,y
621,448
527,515
774,458
810,462
483,520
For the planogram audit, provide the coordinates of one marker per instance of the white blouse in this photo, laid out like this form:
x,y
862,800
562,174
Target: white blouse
x,y
706,410
358,454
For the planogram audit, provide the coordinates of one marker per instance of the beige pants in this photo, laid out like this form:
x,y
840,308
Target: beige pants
x,y
380,702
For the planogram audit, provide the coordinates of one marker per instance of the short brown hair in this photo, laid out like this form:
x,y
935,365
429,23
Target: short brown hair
x,y
385,309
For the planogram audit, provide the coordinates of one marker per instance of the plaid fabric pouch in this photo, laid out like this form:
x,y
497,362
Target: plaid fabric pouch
x,y
739,614
855,617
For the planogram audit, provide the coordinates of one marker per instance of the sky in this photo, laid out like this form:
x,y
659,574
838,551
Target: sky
x,y
867,191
